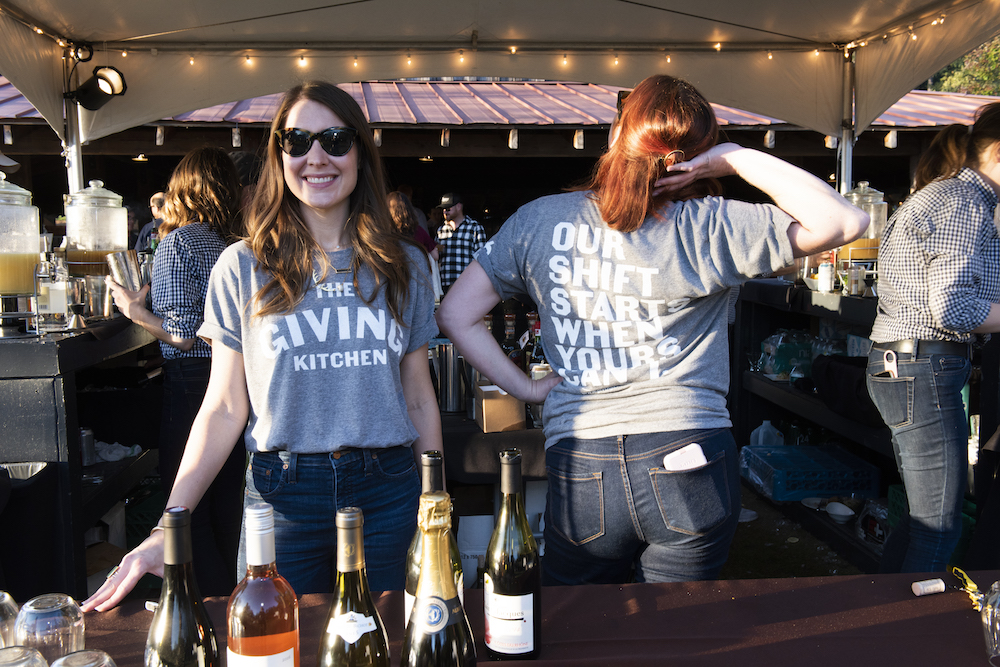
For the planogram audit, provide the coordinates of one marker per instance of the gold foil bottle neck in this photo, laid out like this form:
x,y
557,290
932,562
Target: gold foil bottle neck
x,y
434,511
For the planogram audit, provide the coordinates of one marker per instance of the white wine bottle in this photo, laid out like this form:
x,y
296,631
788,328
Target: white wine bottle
x,y
353,635
263,613
512,580
181,634
437,633
431,479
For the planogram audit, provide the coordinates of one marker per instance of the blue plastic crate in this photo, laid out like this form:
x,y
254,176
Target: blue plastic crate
x,y
797,472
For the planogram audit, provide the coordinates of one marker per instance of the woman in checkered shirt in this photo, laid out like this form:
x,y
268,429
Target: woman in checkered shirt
x,y
939,288
200,218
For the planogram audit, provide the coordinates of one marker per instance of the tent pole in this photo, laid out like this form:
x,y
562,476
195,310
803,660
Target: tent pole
x,y
846,152
72,148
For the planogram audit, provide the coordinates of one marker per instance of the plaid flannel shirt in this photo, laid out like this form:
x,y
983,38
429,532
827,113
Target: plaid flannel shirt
x,y
939,263
456,247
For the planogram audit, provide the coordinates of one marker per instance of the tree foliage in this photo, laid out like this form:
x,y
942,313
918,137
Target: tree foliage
x,y
978,73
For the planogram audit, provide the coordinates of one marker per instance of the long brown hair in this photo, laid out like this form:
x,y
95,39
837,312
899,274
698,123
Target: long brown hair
x,y
663,121
205,188
958,146
404,217
280,240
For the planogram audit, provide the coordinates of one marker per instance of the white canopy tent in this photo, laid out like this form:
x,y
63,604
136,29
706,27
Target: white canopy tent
x,y
829,67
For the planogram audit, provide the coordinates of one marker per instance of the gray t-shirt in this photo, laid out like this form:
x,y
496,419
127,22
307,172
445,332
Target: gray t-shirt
x,y
635,323
325,376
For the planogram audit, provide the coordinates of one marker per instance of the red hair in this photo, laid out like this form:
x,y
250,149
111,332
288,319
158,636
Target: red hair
x,y
663,121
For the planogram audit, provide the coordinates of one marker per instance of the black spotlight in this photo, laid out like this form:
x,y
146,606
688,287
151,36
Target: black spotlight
x,y
98,90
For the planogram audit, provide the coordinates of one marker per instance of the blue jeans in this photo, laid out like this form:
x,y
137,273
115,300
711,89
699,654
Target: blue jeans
x,y
924,411
306,490
611,507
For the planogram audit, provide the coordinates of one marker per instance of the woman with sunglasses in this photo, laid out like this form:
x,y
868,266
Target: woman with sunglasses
x,y
319,325
632,276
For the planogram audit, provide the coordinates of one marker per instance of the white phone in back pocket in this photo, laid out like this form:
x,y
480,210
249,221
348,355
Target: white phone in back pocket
x,y
686,458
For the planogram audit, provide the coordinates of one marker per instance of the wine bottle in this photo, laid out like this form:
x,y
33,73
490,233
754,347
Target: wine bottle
x,y
263,613
437,632
512,580
509,345
353,635
181,634
431,479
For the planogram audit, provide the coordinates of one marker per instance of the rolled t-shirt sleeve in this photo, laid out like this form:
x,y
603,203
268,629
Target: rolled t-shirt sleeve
x,y
503,260
223,310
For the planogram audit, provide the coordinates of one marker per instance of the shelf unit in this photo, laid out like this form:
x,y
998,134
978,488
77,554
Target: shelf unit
x,y
39,422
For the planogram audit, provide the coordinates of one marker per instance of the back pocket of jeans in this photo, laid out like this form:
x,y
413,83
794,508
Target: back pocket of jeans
x,y
576,505
693,501
894,399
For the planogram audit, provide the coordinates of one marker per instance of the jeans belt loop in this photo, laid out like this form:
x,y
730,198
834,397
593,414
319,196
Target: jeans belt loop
x,y
293,460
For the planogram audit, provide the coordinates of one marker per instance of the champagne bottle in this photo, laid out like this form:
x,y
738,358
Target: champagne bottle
x,y
263,614
437,632
431,479
353,635
181,634
512,581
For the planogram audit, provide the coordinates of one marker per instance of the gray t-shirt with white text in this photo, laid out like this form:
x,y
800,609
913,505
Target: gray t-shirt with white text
x,y
325,376
635,323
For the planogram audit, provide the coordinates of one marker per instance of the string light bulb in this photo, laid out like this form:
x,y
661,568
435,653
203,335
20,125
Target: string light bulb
x,y
565,60
355,61
718,46
770,56
816,52
124,53
409,60
668,57
191,60
461,56
302,61
513,50
248,61
616,59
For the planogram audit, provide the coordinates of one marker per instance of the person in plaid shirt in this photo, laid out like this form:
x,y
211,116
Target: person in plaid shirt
x,y
939,295
458,239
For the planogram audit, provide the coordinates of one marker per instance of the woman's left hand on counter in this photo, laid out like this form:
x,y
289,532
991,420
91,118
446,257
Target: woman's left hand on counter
x,y
129,302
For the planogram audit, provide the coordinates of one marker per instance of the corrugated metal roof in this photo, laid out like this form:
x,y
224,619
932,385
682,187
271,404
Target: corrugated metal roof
x,y
517,103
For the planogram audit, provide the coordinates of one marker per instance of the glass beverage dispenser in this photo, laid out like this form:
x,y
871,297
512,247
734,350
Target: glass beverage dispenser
x,y
19,247
872,202
96,224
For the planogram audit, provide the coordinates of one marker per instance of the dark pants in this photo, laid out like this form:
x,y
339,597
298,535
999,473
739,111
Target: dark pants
x,y
215,523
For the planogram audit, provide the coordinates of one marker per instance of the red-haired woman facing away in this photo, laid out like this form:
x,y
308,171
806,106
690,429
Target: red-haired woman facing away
x,y
632,275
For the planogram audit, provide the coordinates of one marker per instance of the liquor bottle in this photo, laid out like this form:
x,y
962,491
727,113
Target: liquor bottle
x,y
437,632
431,479
509,344
537,357
263,613
512,581
181,634
528,341
353,635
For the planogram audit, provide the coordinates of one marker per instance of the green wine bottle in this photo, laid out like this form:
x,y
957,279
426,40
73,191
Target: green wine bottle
x,y
512,581
181,634
431,479
353,635
437,632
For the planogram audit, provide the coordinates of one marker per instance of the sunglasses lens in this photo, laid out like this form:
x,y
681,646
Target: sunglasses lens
x,y
337,141
295,142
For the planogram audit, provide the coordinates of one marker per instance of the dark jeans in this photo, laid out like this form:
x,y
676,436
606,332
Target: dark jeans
x,y
215,523
924,412
612,507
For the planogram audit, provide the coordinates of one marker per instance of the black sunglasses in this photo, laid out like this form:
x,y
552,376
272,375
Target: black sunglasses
x,y
336,141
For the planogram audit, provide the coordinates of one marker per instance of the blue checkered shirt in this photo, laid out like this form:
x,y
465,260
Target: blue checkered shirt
x,y
181,267
456,248
939,263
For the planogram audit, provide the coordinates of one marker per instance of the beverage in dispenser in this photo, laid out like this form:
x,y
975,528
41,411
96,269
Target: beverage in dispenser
x,y
19,244
96,224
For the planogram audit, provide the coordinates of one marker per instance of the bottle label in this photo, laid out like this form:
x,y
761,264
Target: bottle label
x,y
283,659
408,599
433,614
351,626
510,620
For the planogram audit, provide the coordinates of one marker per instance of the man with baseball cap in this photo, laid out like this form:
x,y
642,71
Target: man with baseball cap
x,y
458,239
